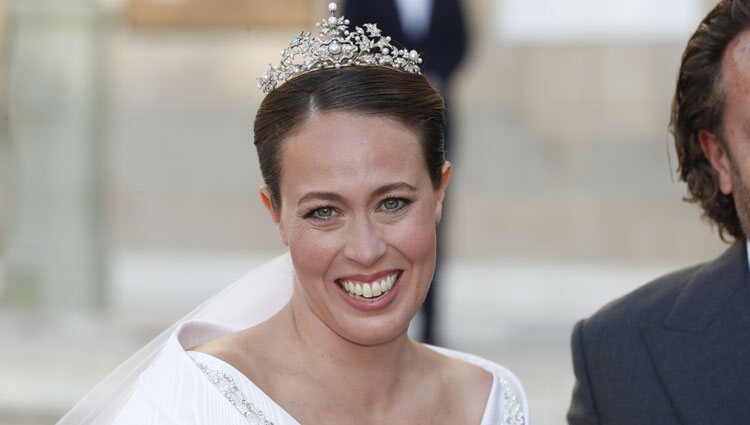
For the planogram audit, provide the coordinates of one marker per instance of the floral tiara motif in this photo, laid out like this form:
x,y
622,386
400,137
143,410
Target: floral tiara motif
x,y
336,46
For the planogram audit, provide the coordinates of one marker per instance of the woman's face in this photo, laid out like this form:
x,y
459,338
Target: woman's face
x,y
358,212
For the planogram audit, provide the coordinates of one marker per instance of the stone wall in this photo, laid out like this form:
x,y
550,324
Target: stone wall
x,y
220,13
4,130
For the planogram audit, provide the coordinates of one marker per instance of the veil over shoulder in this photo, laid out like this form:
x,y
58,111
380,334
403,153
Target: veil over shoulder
x,y
160,384
248,301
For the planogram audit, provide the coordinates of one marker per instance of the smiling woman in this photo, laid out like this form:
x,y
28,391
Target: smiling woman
x,y
357,208
355,176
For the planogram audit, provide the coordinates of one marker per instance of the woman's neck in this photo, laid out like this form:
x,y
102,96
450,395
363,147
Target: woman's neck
x,y
369,374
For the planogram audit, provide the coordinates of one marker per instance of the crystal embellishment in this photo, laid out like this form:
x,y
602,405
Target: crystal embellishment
x,y
512,408
225,384
337,45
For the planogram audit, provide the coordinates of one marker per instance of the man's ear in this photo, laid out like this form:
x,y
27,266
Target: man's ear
x,y
265,196
719,159
445,178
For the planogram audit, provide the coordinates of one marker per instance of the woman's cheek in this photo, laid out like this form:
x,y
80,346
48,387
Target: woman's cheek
x,y
313,250
416,235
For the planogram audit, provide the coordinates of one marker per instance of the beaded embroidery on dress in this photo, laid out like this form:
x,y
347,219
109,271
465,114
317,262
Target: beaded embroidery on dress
x,y
225,384
513,411
506,404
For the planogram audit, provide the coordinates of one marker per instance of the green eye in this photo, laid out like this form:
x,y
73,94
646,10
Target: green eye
x,y
324,212
393,204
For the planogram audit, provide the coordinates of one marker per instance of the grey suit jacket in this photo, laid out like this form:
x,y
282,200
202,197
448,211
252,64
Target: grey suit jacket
x,y
675,351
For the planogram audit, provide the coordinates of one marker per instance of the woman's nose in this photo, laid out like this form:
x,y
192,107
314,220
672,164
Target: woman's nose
x,y
364,244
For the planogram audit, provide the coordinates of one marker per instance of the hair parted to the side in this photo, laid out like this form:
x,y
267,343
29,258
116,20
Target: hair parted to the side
x,y
698,104
369,90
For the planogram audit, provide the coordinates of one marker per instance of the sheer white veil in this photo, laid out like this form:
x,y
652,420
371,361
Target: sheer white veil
x,y
250,300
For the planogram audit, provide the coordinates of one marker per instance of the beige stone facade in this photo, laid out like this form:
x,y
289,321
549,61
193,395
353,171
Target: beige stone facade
x,y
220,13
4,130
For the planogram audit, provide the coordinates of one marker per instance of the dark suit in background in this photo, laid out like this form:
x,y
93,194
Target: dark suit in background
x,y
442,48
676,351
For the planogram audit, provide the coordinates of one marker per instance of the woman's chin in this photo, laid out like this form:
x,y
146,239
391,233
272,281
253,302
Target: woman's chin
x,y
374,333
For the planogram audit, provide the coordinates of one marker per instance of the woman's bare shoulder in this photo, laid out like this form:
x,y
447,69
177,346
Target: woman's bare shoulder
x,y
469,378
240,344
467,385
250,351
236,350
225,348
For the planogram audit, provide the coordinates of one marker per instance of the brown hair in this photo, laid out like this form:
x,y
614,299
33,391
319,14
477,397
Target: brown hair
x,y
407,98
698,104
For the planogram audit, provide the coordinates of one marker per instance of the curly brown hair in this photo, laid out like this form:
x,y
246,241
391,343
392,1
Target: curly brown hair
x,y
698,104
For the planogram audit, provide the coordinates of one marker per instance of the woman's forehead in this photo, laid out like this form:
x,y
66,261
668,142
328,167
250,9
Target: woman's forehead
x,y
340,136
349,121
344,149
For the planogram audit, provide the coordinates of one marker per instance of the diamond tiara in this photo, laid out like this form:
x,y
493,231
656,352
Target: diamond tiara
x,y
336,46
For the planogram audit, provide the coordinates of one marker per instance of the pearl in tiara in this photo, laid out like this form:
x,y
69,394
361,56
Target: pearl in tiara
x,y
336,45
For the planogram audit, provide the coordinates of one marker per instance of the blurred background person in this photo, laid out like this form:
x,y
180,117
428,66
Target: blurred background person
x,y
436,29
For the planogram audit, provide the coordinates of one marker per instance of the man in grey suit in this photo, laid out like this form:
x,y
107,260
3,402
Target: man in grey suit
x,y
677,350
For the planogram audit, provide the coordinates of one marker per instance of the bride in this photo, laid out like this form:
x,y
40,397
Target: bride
x,y
349,140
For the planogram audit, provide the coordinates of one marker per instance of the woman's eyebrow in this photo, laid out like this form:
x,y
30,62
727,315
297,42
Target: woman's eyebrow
x,y
393,187
335,197
321,196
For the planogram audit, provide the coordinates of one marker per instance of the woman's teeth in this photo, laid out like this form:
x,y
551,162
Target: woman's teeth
x,y
370,290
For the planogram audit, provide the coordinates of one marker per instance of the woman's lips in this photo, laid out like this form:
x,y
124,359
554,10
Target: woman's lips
x,y
369,289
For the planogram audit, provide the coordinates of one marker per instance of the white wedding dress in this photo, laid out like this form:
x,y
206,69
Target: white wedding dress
x,y
166,384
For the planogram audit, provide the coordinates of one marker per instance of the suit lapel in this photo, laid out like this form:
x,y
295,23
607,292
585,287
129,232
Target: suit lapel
x,y
701,352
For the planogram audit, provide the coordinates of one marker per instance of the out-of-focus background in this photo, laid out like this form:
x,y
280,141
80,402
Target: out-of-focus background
x,y
128,179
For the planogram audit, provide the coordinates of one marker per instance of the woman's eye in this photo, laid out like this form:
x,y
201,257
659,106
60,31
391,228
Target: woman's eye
x,y
322,213
393,204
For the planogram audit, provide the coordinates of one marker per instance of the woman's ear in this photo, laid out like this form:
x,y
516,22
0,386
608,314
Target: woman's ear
x,y
265,196
718,157
445,178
